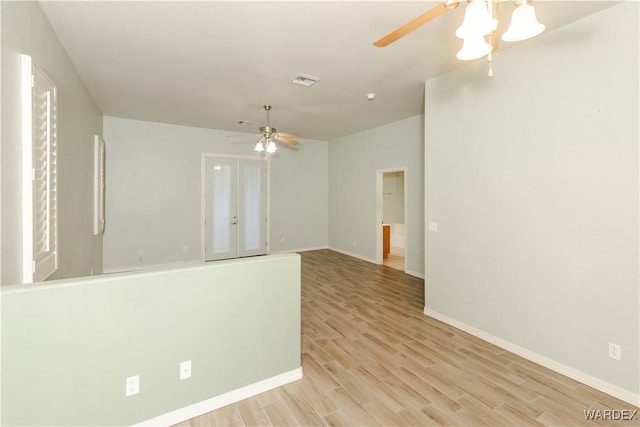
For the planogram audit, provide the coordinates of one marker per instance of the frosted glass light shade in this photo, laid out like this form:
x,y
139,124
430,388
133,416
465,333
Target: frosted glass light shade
x,y
271,147
524,24
473,48
477,21
259,146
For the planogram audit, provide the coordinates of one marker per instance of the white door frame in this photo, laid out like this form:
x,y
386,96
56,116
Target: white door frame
x,y
203,214
379,212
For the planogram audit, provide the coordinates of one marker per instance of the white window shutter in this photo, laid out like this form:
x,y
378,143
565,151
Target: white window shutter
x,y
40,203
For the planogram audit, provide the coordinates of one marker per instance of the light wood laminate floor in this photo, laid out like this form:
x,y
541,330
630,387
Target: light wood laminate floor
x,y
371,357
394,261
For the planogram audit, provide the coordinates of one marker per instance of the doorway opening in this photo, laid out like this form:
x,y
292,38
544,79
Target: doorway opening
x,y
391,233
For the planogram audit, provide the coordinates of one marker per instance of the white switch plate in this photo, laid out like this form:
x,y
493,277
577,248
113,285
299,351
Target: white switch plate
x,y
185,370
132,385
433,226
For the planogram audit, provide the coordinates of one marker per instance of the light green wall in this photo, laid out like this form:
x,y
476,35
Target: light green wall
x,y
66,357
532,177
26,30
153,191
353,162
1,97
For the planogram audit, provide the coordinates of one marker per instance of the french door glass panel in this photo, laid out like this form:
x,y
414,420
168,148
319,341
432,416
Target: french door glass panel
x,y
221,203
235,197
252,228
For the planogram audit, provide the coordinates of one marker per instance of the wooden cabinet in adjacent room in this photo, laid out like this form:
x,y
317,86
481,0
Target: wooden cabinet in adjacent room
x,y
386,240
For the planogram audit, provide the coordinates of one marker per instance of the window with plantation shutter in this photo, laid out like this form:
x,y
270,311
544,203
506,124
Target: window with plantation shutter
x,y
39,157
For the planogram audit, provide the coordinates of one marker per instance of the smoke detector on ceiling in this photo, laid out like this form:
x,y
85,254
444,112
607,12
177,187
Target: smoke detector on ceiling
x,y
305,80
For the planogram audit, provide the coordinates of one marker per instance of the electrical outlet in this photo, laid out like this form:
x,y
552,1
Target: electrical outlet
x,y
433,226
185,249
140,254
355,243
185,370
615,351
132,385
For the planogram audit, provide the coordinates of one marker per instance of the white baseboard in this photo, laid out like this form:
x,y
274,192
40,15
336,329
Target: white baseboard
x,y
290,251
191,411
351,254
415,274
150,267
591,381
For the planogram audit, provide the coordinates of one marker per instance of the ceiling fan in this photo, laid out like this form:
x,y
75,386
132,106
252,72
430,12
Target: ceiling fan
x,y
480,22
267,136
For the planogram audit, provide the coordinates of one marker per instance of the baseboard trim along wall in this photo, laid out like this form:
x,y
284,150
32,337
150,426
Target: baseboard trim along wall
x,y
591,381
415,274
151,267
285,251
289,251
351,254
180,264
217,402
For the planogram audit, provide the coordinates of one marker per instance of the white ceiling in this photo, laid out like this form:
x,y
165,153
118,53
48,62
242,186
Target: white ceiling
x,y
213,63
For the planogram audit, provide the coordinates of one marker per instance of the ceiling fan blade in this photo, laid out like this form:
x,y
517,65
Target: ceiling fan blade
x,y
429,15
284,140
290,134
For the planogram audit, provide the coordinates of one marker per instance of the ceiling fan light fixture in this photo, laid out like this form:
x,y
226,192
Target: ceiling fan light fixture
x,y
259,147
477,21
524,24
271,147
474,48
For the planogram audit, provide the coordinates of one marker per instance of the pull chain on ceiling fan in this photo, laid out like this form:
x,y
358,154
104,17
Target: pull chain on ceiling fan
x,y
480,23
268,136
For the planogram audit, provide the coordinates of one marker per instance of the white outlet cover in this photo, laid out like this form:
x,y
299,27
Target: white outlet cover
x,y
185,370
615,351
132,385
433,226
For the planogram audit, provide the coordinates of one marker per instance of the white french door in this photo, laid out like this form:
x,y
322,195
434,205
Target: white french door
x,y
235,208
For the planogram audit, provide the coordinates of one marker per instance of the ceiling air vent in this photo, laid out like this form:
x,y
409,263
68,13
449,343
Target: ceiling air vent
x,y
305,80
